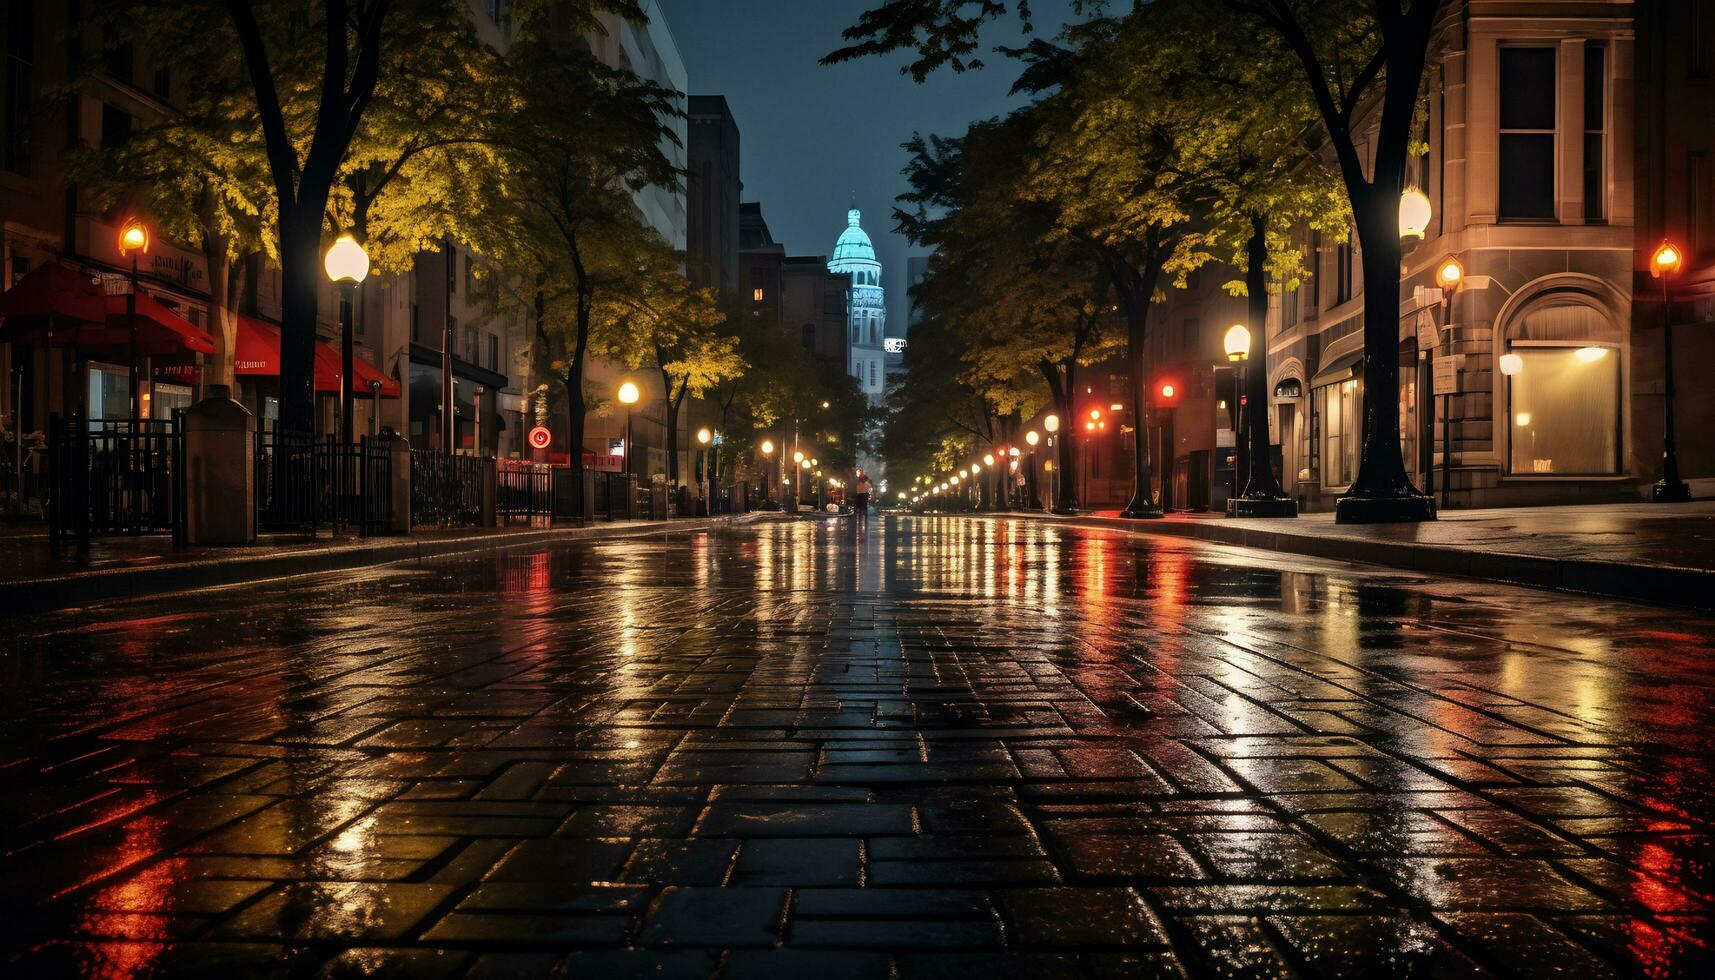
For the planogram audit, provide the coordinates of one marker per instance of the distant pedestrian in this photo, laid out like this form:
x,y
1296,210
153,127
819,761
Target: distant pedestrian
x,y
860,494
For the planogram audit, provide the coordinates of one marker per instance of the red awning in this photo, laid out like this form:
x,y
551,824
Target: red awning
x,y
57,306
258,353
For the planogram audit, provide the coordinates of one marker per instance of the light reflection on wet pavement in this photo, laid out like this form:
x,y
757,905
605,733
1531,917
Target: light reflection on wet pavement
x,y
934,747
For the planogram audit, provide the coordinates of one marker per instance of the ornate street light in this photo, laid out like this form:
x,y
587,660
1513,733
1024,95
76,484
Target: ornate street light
x,y
1664,264
1414,213
133,239
628,395
347,264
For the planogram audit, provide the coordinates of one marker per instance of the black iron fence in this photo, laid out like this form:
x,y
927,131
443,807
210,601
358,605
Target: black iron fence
x,y
446,491
288,497
303,484
523,492
116,477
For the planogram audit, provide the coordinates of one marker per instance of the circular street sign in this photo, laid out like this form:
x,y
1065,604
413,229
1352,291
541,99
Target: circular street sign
x,y
540,437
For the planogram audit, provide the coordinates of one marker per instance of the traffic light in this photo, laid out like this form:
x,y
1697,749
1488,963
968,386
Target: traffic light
x,y
1167,394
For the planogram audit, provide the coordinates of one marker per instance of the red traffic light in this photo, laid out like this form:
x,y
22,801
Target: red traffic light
x,y
1167,394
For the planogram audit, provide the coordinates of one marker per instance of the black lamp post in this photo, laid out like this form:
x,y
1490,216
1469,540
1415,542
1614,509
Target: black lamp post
x,y
1257,492
1032,501
347,265
133,238
1670,488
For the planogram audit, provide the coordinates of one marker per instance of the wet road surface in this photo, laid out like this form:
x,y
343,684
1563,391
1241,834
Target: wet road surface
x,y
934,747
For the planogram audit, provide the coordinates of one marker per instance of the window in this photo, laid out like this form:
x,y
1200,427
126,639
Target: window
x,y
117,56
1527,190
20,269
1565,410
1316,272
1288,307
1595,133
470,345
1337,404
756,294
20,85
809,335
416,325
115,126
833,302
1701,38
1700,205
469,279
164,82
872,377
494,352
1343,271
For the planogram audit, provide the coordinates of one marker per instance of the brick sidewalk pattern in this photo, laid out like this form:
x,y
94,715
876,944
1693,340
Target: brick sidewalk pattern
x,y
930,747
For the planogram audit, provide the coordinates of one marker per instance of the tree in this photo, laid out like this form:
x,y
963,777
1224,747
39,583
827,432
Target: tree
x,y
656,317
1354,55
1031,304
1347,49
1245,138
199,174
579,139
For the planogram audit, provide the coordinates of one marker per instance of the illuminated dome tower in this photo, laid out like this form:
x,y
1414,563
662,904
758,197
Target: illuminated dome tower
x,y
866,307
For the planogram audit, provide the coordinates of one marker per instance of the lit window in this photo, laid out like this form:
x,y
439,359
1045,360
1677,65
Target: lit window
x,y
1565,405
1338,407
756,294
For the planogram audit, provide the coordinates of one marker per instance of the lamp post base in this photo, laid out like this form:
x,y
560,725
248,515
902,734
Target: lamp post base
x,y
1405,509
1064,511
1262,507
1670,492
1142,512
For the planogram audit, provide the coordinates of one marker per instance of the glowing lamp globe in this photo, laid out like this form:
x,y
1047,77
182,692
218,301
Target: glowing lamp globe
x,y
1666,260
1237,342
797,457
133,238
767,447
1032,438
1052,424
1450,274
1414,213
703,436
1510,364
988,459
346,261
628,393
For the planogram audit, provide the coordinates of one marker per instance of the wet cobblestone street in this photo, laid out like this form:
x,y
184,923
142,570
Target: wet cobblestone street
x,y
931,747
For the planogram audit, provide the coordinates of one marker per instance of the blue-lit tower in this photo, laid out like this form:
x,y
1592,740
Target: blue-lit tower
x,y
866,307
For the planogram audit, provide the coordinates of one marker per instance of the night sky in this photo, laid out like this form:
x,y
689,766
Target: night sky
x,y
815,139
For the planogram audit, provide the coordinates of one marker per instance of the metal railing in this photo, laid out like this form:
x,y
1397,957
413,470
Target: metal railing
x,y
356,483
288,497
303,484
116,477
523,492
446,491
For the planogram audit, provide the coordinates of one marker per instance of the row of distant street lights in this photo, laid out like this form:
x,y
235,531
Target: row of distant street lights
x,y
1000,464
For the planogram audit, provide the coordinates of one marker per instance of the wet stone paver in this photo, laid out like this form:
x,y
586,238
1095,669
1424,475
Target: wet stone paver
x,y
933,748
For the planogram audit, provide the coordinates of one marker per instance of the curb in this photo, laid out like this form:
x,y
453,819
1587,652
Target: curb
x,y
1661,585
29,596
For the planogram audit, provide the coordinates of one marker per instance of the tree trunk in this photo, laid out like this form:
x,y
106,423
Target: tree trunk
x,y
1143,501
300,241
1260,481
1065,481
223,285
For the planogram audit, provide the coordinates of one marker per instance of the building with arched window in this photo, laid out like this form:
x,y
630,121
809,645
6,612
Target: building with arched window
x,y
866,307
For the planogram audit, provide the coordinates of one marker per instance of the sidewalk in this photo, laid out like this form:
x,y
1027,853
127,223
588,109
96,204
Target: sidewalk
x,y
1658,553
33,579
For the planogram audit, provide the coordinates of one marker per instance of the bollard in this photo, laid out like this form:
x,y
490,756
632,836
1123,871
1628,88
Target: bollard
x,y
399,453
220,470
490,493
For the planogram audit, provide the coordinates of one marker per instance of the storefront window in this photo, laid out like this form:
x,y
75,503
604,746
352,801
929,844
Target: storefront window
x,y
109,393
1566,411
1338,406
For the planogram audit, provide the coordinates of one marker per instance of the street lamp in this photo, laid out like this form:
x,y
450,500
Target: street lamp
x,y
706,462
1237,343
767,448
628,395
347,264
1031,439
1449,276
1414,213
1664,264
133,238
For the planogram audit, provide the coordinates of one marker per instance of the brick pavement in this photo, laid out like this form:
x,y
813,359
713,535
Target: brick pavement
x,y
939,747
